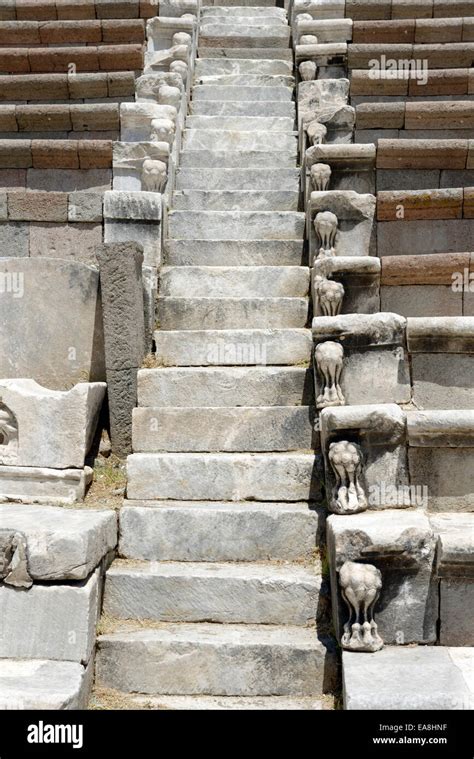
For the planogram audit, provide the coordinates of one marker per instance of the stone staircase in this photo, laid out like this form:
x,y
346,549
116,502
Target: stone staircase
x,y
219,593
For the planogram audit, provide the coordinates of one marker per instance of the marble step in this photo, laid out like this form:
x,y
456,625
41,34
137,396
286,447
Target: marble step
x,y
242,18
268,594
245,80
232,180
223,476
233,347
215,159
241,123
215,703
235,253
241,67
236,225
241,200
248,53
222,93
32,684
272,428
237,140
218,531
210,659
263,108
230,313
229,10
225,386
236,35
234,282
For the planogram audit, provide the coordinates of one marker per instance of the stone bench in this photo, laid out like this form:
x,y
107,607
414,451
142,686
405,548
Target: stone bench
x,y
437,56
50,10
415,30
408,120
54,33
439,83
402,9
62,121
98,86
93,58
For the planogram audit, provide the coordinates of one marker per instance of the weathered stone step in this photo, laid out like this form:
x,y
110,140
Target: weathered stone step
x,y
236,225
231,180
214,703
223,476
213,159
225,386
241,123
233,347
234,282
229,313
242,200
265,8
246,80
212,592
205,658
242,19
236,140
213,531
249,53
266,108
229,10
235,252
42,684
275,428
235,35
223,93
235,66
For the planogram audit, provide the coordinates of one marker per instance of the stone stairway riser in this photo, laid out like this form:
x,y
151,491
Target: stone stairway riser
x,y
234,282
229,313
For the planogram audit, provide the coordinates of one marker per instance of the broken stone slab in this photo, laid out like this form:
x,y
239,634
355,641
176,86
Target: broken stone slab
x,y
223,476
206,530
396,677
136,119
216,660
319,98
441,429
272,428
64,426
360,278
380,432
261,593
148,86
402,546
54,622
455,555
225,386
14,559
32,344
22,484
375,365
131,155
232,347
441,334
27,684
62,544
356,230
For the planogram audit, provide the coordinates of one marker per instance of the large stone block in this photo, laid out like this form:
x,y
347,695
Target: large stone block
x,y
57,354
77,242
417,678
213,531
25,484
235,252
49,622
224,476
216,659
375,365
226,180
402,547
43,684
235,225
63,428
227,313
235,282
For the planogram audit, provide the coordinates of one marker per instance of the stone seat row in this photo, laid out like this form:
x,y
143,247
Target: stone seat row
x,y
65,118
50,10
423,116
410,30
99,86
384,9
64,59
108,31
60,154
446,83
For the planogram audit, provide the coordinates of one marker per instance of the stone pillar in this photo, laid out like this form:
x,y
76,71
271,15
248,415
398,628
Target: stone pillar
x,y
124,332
